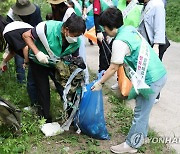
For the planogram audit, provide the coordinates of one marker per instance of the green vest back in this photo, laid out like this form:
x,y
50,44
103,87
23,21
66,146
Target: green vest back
x,y
130,36
90,13
105,5
133,17
54,38
78,9
121,4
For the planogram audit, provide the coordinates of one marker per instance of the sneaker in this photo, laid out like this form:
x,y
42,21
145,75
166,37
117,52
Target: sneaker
x,y
156,100
115,86
123,148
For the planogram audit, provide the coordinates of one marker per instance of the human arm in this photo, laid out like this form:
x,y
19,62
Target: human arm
x,y
28,38
107,75
156,48
25,53
119,50
6,59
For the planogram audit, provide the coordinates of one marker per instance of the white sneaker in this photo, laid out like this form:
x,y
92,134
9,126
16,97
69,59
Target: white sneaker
x,y
123,148
115,86
157,101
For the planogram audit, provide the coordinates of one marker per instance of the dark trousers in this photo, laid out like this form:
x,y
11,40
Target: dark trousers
x,y
41,77
104,54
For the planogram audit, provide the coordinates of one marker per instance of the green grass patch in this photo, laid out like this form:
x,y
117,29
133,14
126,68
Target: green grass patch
x,y
173,20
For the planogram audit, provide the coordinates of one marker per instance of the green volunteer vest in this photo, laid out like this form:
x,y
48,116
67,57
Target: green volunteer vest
x,y
77,9
133,17
129,35
54,38
121,4
90,13
104,5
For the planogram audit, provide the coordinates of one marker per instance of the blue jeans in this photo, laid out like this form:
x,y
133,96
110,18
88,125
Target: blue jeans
x,y
139,129
31,87
20,71
82,53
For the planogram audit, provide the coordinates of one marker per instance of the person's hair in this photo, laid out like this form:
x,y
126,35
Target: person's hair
x,y
112,18
59,11
70,2
75,24
3,24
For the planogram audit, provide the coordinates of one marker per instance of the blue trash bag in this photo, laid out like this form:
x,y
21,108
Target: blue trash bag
x,y
90,116
89,22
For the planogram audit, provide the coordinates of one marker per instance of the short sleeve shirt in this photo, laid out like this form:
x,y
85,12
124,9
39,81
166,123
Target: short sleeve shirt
x,y
13,36
119,50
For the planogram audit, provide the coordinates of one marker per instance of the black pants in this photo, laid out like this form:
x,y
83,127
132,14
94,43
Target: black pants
x,y
104,54
41,76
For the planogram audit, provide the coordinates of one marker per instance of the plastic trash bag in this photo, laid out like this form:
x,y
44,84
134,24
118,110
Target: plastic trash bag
x,y
90,116
51,129
89,22
9,114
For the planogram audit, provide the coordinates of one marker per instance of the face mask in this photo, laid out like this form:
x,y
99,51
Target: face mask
x,y
71,39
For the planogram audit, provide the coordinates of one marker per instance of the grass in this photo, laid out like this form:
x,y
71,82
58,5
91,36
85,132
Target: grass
x,y
32,140
173,20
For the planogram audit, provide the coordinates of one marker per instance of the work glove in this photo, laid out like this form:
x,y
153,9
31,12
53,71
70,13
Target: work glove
x,y
42,58
5,54
97,86
3,66
84,16
100,36
156,49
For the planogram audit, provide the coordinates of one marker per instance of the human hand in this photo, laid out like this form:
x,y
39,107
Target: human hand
x,y
97,86
100,36
84,16
42,58
3,66
156,48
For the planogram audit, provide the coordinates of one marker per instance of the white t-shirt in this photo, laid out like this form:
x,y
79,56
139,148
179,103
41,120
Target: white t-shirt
x,y
119,50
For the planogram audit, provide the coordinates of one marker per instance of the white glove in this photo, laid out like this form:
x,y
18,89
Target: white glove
x,y
3,65
84,16
97,86
100,36
5,54
42,58
156,49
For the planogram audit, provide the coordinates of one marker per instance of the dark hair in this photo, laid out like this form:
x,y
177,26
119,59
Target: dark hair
x,y
75,24
112,18
3,24
58,11
70,2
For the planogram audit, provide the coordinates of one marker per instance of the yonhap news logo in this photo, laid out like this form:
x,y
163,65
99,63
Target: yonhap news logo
x,y
165,140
